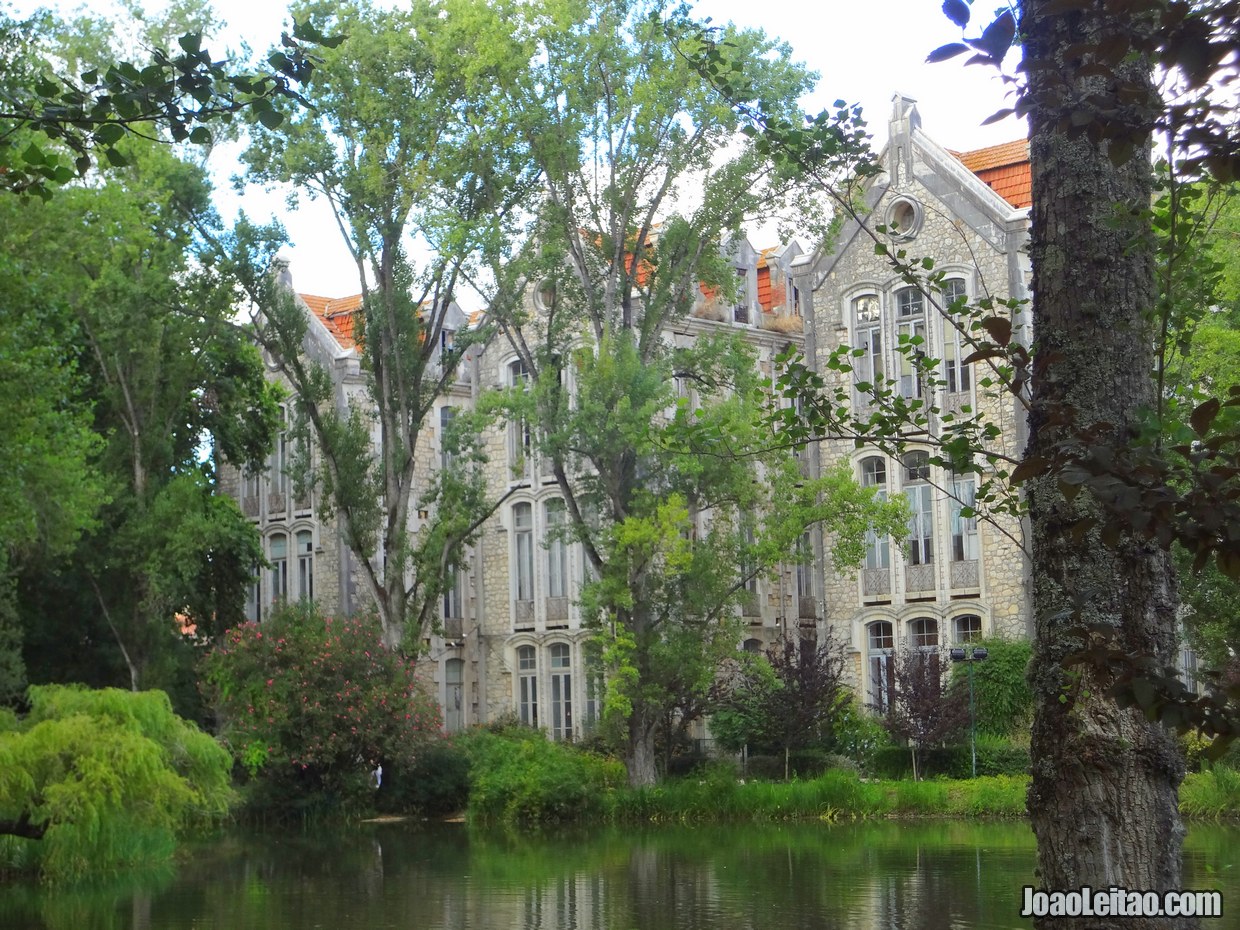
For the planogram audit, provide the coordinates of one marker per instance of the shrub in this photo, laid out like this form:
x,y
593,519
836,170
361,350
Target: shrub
x,y
856,733
437,782
1002,701
522,777
111,776
309,704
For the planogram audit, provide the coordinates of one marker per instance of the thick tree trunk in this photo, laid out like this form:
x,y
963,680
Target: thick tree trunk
x,y
640,758
1103,797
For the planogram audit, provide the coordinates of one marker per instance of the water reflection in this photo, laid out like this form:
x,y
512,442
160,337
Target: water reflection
x,y
893,876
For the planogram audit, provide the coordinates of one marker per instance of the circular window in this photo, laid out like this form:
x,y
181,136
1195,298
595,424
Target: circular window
x,y
904,218
546,295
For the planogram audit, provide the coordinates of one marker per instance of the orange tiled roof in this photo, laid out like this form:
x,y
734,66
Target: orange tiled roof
x,y
1004,168
336,313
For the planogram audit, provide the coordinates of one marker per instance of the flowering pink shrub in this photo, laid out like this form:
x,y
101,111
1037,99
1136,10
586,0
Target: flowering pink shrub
x,y
309,704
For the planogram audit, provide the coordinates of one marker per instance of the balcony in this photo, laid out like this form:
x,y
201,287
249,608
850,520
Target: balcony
x,y
919,579
452,628
557,610
749,606
807,607
249,505
965,574
523,618
876,583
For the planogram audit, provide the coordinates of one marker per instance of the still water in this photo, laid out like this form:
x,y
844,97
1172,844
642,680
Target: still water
x,y
928,875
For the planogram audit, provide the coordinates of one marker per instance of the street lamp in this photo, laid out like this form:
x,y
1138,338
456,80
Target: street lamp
x,y
978,654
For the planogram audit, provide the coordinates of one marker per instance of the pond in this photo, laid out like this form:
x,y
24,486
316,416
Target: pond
x,y
922,875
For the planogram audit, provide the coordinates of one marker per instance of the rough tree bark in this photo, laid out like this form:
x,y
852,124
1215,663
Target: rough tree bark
x,y
1103,797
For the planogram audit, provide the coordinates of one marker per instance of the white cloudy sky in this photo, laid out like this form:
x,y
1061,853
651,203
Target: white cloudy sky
x,y
864,51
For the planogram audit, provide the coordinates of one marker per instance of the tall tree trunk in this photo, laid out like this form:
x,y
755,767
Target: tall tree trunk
x,y
640,757
1103,796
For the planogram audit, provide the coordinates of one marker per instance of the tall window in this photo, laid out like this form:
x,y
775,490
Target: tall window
x,y
964,529
911,311
882,667
446,416
453,599
805,566
279,567
305,565
523,537
253,597
561,692
957,374
925,633
278,476
877,548
921,522
968,628
557,550
520,436
868,369
527,685
454,695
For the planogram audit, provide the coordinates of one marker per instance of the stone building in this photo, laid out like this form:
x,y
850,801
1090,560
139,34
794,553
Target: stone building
x,y
955,578
512,639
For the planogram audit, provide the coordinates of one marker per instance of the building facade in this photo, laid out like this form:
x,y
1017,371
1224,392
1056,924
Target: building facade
x,y
512,638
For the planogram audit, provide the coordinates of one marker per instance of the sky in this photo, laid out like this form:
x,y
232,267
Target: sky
x,y
864,53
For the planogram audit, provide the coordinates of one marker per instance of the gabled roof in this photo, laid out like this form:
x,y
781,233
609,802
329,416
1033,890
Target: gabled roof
x,y
1004,168
336,313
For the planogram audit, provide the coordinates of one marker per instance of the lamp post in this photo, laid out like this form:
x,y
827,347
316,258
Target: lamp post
x,y
976,654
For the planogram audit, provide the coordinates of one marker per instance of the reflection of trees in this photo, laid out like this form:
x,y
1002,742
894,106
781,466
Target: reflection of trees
x,y
907,876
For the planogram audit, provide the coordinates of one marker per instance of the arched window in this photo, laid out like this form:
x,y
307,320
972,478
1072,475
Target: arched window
x,y
520,435
527,685
454,695
561,691
925,633
877,548
964,519
305,565
523,539
753,646
956,373
968,628
882,665
557,549
921,522
911,310
278,548
868,337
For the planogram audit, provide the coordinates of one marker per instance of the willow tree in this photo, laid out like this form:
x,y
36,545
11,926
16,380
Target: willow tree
x,y
646,177
406,145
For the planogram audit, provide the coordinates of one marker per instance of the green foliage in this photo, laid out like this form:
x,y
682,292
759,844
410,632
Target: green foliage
x,y
522,777
995,756
856,733
309,704
436,784
71,121
112,775
833,796
1002,701
1213,792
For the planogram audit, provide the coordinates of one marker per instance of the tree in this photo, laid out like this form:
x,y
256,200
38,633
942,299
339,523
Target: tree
x,y
1106,495
89,113
785,700
404,145
621,129
101,780
310,705
926,710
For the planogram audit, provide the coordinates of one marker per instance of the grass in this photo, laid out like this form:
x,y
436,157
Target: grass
x,y
1212,794
833,796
